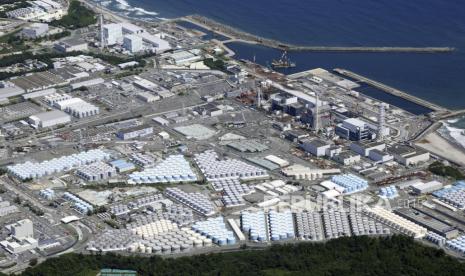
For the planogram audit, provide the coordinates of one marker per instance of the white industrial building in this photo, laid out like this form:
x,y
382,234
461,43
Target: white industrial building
x,y
133,38
347,158
35,30
77,107
22,237
135,132
49,119
96,172
133,43
113,34
380,156
298,171
420,188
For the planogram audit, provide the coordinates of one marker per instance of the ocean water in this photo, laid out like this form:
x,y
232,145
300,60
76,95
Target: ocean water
x,y
439,78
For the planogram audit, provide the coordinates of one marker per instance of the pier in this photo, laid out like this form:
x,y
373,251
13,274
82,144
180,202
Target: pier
x,y
390,90
237,35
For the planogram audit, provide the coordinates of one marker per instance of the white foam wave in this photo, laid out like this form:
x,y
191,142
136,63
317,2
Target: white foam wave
x,y
458,134
144,11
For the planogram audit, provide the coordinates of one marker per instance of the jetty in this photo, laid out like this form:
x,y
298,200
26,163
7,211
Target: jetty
x,y
237,35
390,90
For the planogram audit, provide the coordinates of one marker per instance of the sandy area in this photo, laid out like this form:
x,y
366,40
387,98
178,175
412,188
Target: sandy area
x,y
439,146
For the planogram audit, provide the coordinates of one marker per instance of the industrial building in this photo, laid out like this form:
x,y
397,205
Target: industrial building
x,y
148,97
133,38
135,132
347,158
408,155
355,129
49,119
425,188
316,147
22,237
380,156
298,171
35,30
71,45
133,43
77,107
428,222
364,147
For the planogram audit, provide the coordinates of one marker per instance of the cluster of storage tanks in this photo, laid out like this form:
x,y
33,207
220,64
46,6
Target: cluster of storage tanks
x,y
56,165
362,225
281,225
80,205
113,240
254,224
48,194
454,195
215,229
388,192
336,224
457,244
213,168
309,226
174,168
196,201
172,242
435,238
351,183
233,191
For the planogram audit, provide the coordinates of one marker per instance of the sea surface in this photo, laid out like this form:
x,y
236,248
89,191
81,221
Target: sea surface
x,y
439,78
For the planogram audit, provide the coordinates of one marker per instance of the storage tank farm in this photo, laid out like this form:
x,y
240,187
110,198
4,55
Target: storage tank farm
x,y
215,229
36,170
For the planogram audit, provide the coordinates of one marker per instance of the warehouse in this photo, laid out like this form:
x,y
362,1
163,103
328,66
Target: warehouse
x,y
409,156
71,45
364,148
77,107
316,147
429,222
380,156
49,119
135,132
35,30
420,188
147,97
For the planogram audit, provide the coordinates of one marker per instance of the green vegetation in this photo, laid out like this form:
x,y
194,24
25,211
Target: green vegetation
x,y
397,255
78,17
214,64
439,168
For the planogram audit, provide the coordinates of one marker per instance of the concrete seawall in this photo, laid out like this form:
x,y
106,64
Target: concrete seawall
x,y
241,36
390,90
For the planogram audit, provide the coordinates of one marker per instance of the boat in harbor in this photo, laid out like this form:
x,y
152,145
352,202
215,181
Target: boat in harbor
x,y
283,62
